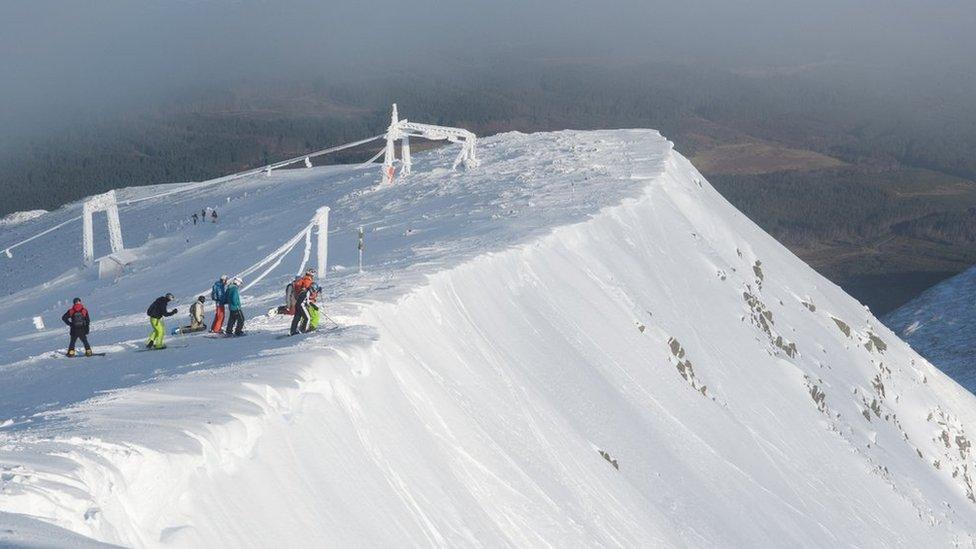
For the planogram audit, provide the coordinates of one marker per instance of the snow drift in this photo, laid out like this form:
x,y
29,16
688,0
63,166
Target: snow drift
x,y
579,343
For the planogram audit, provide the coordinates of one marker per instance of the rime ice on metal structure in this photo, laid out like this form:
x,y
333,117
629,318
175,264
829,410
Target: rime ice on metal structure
x,y
404,130
322,241
100,203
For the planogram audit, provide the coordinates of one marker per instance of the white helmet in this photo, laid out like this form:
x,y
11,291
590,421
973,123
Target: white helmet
x,y
223,278
238,281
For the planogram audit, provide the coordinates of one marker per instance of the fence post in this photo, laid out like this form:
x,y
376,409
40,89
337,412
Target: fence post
x,y
389,154
362,246
114,226
87,235
322,243
405,155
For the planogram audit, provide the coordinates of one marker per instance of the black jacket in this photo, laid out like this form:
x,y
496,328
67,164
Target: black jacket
x,y
158,309
302,296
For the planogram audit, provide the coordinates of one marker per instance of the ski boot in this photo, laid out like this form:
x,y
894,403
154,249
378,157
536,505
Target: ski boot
x,y
88,352
71,352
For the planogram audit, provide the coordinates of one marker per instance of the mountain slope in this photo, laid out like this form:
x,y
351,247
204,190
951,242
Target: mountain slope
x,y
939,325
578,343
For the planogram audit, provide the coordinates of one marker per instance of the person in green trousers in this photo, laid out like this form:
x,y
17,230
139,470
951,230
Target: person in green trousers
x,y
156,312
313,307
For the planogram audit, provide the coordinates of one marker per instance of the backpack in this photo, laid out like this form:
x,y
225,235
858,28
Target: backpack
x,y
78,319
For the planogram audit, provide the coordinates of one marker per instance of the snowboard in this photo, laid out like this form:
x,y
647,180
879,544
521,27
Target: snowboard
x,y
313,332
80,355
179,331
275,311
145,350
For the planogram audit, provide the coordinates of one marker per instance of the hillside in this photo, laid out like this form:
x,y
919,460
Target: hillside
x,y
939,325
580,342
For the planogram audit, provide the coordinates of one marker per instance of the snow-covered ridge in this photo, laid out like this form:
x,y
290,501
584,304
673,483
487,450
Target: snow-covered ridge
x,y
16,218
579,343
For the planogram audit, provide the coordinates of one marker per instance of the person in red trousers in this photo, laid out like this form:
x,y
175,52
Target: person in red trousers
x,y
218,294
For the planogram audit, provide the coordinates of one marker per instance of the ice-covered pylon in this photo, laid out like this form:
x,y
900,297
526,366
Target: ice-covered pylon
x,y
404,130
100,203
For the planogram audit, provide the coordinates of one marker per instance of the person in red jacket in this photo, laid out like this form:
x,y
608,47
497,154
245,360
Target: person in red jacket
x,y
79,324
305,282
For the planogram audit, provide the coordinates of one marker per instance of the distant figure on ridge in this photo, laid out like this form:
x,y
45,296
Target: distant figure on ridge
x,y
219,296
156,312
213,215
194,218
79,324
236,324
196,318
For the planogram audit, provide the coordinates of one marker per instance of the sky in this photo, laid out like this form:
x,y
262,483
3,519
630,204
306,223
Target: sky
x,y
62,58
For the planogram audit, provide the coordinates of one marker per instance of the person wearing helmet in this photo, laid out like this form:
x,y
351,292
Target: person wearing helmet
x,y
79,324
235,326
305,282
217,294
303,293
156,312
313,307
196,318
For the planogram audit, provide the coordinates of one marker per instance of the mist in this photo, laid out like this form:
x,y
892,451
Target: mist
x,y
61,60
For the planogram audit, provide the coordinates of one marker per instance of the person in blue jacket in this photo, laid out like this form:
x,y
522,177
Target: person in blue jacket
x,y
217,294
235,325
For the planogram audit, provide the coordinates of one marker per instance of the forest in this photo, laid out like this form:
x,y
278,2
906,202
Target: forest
x,y
901,168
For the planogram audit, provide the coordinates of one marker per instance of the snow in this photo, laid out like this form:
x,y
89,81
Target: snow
x,y
939,325
16,218
578,343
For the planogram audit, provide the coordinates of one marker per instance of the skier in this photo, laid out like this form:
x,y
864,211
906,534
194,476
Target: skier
x,y
79,323
236,324
196,318
203,215
218,295
156,312
213,216
305,282
299,322
313,307
194,218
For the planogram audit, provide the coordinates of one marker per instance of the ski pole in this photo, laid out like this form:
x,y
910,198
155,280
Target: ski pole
x,y
327,317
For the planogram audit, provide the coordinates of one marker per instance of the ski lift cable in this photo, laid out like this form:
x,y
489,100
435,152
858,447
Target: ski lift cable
x,y
271,268
40,234
371,160
308,252
280,252
216,181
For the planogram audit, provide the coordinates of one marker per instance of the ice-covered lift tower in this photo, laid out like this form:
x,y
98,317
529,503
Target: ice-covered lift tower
x,y
404,130
100,203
